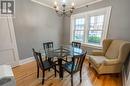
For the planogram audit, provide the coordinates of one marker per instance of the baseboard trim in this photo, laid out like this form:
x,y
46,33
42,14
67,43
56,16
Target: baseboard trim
x,y
27,60
123,78
124,82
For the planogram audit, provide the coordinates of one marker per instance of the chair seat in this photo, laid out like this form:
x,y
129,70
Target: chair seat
x,y
48,64
97,60
68,66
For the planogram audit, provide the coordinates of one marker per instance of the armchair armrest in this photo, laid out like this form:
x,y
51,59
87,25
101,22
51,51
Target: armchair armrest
x,y
111,62
97,53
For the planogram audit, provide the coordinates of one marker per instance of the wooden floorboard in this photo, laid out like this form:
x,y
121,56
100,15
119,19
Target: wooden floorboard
x,y
26,76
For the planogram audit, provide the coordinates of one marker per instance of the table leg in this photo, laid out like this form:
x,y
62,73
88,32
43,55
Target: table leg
x,y
60,68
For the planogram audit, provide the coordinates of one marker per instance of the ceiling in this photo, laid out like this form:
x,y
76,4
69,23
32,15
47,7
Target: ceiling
x,y
78,3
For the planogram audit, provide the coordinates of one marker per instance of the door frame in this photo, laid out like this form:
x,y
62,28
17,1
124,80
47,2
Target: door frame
x,y
13,39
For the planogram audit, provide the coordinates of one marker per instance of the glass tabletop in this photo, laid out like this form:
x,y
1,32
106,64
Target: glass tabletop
x,y
62,51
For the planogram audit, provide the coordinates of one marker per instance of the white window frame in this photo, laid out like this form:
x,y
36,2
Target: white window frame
x,y
106,11
84,26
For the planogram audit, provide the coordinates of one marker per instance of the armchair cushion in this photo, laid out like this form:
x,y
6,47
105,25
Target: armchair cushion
x,y
97,60
97,53
111,62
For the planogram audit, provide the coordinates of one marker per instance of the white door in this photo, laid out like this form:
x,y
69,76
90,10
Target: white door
x,y
8,47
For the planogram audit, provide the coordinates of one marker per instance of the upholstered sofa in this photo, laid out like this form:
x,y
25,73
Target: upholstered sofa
x,y
111,58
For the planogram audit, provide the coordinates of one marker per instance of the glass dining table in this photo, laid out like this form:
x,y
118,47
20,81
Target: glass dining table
x,y
60,52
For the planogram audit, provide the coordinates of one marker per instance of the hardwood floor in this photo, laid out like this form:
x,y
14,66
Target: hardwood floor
x,y
26,76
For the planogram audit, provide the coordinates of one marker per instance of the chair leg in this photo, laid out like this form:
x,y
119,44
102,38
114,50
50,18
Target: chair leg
x,y
43,77
55,70
98,76
71,79
37,71
89,64
80,76
49,59
66,58
49,69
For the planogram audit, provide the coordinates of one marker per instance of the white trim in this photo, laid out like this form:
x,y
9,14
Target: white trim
x,y
89,3
42,4
128,80
12,32
92,11
71,28
107,20
27,60
124,77
35,1
125,82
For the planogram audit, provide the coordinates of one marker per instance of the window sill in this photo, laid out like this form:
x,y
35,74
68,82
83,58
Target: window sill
x,y
92,45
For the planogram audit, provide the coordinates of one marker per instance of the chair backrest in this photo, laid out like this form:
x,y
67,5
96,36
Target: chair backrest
x,y
76,44
118,49
78,62
48,45
106,43
38,59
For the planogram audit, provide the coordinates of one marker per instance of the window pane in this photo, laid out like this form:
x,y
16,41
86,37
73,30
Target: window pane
x,y
78,36
92,20
91,26
94,37
95,29
79,27
96,22
79,21
100,19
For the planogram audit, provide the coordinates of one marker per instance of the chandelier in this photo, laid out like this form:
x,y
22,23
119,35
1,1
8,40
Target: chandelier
x,y
63,9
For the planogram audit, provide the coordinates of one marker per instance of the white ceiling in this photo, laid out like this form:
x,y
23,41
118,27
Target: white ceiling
x,y
78,3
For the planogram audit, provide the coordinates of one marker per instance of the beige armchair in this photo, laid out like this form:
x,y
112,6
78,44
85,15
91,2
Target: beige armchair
x,y
111,58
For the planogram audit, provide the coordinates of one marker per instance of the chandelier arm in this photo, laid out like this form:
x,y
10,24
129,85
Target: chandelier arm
x,y
67,13
59,14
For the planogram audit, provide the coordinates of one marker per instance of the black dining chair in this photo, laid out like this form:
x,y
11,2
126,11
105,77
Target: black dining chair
x,y
47,46
75,66
76,44
43,65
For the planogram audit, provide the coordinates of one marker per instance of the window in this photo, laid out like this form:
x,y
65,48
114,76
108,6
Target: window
x,y
90,27
79,29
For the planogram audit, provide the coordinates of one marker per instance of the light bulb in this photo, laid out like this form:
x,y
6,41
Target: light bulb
x,y
72,4
55,3
57,8
63,1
